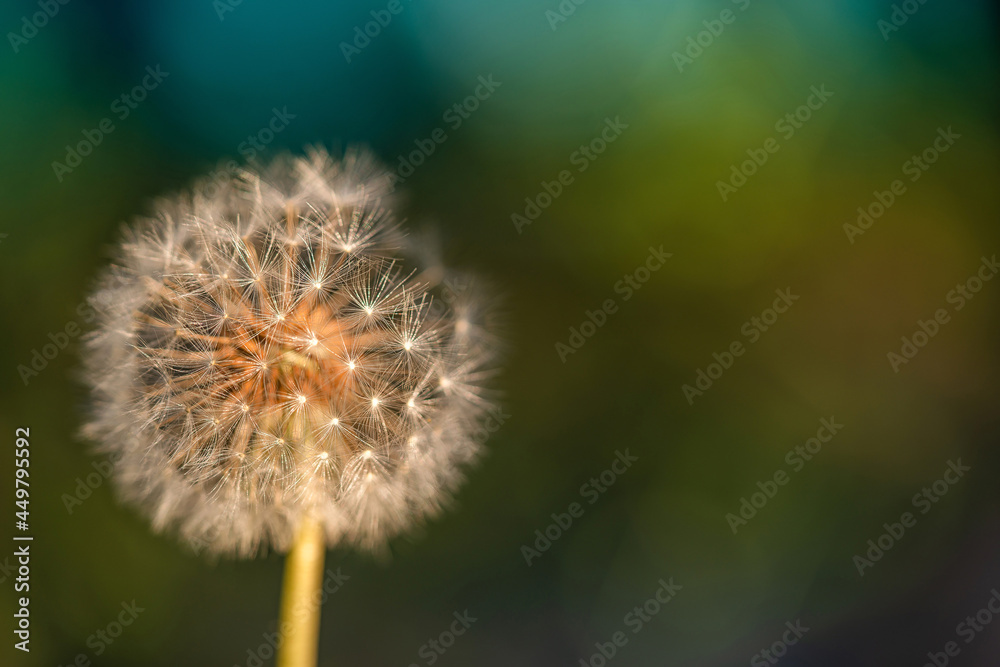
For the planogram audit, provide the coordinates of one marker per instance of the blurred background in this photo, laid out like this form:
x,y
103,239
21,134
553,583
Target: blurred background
x,y
739,136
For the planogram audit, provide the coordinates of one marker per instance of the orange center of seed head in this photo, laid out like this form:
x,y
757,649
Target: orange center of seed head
x,y
268,362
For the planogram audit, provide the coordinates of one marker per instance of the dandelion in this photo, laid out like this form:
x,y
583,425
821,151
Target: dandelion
x,y
270,372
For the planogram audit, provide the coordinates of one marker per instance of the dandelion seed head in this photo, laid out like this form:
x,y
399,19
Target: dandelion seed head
x,y
246,366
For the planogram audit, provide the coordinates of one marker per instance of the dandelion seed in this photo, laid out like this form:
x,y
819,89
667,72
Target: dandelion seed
x,y
228,321
232,425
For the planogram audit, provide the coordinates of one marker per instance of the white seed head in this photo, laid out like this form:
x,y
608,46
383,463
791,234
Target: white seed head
x,y
266,350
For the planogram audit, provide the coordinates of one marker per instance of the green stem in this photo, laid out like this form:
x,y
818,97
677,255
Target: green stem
x,y
300,597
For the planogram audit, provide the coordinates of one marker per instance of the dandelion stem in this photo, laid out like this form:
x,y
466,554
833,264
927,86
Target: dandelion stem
x,y
300,600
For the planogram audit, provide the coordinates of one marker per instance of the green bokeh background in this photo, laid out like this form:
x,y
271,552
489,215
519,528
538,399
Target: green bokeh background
x,y
655,185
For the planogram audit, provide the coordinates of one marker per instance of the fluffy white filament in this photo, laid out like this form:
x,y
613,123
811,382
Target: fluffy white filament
x,y
265,350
